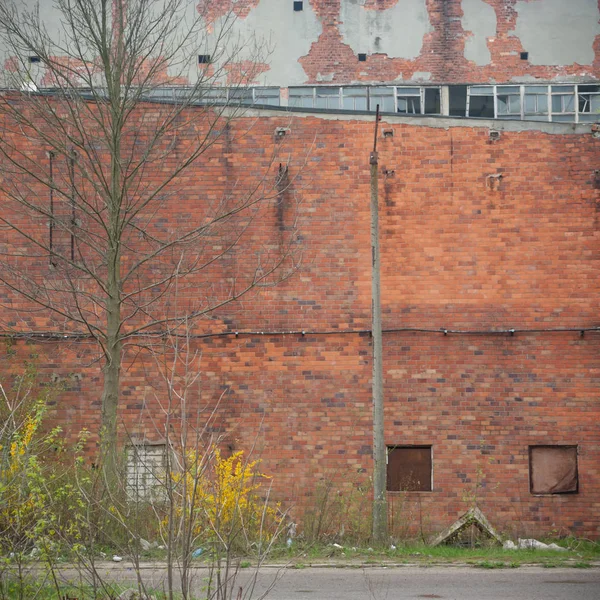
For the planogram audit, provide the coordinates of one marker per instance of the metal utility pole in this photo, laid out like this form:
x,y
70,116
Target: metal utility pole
x,y
380,535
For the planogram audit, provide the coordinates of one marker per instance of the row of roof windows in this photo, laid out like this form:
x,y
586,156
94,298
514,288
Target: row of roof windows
x,y
574,103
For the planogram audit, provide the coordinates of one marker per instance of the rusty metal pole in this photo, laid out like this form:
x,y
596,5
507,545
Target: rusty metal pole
x,y
380,534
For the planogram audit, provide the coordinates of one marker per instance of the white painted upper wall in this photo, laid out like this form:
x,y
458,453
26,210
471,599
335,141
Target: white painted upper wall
x,y
558,32
397,31
555,33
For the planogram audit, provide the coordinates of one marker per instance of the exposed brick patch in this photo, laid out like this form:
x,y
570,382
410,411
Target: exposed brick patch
x,y
379,4
244,72
213,9
442,54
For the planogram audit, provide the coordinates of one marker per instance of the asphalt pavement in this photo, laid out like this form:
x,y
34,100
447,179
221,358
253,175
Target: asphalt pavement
x,y
391,583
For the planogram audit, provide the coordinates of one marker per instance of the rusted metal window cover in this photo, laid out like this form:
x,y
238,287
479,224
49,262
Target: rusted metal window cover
x,y
553,469
409,469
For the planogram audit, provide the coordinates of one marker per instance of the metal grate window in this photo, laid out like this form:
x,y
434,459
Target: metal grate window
x,y
146,470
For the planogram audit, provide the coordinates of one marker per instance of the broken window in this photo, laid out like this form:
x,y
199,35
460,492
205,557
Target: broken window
x,y
146,470
589,102
509,101
553,469
408,100
409,469
480,101
563,103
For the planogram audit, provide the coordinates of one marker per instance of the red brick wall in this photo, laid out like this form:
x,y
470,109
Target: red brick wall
x,y
458,252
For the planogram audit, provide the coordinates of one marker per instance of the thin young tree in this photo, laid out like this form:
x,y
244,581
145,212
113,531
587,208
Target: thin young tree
x,y
107,110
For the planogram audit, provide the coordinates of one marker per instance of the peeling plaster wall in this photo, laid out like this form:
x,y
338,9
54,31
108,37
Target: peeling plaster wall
x,y
283,36
479,18
405,41
397,31
555,32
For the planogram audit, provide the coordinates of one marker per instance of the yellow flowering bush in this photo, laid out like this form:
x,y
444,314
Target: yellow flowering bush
x,y
220,496
36,499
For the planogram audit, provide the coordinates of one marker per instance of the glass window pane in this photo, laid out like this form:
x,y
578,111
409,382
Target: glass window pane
x,y
402,105
542,104
588,117
333,102
349,91
563,118
536,89
406,91
556,104
563,88
515,104
382,91
530,103
503,105
324,91
507,89
589,88
569,103
386,103
360,103
481,90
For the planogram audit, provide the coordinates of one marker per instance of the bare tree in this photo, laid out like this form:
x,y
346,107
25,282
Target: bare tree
x,y
92,167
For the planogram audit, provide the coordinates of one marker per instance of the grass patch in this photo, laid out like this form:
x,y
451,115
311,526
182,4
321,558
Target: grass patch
x,y
486,564
577,552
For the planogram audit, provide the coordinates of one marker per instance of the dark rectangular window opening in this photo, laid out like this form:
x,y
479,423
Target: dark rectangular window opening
x,y
458,100
34,59
298,6
362,57
432,101
524,55
409,469
203,59
553,470
482,107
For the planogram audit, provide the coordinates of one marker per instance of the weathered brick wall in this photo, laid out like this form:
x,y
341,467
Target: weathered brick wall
x,y
460,250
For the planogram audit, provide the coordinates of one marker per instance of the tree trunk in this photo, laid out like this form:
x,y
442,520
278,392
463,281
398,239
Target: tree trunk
x,y
110,393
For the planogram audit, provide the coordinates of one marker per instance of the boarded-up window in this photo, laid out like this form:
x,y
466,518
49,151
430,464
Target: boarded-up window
x,y
409,469
553,469
146,469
